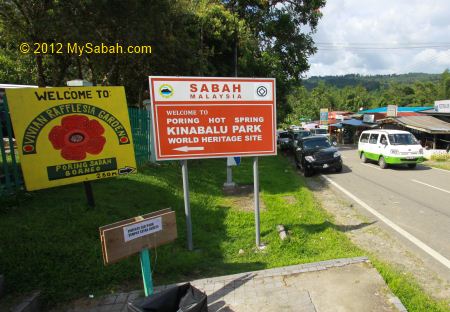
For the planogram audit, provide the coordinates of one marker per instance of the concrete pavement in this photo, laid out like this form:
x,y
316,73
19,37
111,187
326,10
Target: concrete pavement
x,y
329,286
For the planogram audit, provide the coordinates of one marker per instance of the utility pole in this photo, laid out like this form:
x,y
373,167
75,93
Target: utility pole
x,y
229,183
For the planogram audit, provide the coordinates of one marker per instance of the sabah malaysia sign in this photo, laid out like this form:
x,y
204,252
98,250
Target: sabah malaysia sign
x,y
70,135
213,117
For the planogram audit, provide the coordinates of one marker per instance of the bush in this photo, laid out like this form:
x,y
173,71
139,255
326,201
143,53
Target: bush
x,y
441,157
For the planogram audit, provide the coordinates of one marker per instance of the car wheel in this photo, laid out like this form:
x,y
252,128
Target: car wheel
x,y
412,166
338,169
382,163
363,157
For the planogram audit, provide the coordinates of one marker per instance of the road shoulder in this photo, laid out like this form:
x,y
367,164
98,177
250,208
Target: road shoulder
x,y
366,232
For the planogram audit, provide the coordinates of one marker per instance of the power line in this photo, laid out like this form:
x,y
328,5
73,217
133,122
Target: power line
x,y
329,46
384,43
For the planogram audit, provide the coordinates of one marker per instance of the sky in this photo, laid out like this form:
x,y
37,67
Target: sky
x,y
382,37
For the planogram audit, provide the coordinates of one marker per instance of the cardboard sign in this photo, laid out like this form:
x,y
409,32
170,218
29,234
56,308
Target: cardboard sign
x,y
213,117
128,237
142,228
70,135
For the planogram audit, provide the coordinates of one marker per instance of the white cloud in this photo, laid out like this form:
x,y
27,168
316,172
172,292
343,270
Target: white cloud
x,y
382,37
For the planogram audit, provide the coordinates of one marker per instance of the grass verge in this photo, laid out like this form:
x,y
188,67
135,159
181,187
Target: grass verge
x,y
405,287
438,164
50,241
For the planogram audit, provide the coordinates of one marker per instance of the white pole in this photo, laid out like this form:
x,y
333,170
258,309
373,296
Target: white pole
x,y
187,207
229,183
256,199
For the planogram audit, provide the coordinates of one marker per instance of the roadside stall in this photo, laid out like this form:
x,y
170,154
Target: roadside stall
x,y
433,133
348,131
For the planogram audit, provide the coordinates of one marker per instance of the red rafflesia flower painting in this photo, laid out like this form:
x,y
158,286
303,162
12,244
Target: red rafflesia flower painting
x,y
76,136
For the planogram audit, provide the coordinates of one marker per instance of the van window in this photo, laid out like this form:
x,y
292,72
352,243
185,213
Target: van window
x,y
364,138
383,139
373,138
403,139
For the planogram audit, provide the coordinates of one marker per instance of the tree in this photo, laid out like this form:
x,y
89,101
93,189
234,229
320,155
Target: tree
x,y
201,37
444,85
29,21
283,30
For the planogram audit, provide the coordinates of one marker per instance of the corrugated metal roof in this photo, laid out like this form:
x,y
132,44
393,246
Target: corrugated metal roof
x,y
399,109
428,124
402,114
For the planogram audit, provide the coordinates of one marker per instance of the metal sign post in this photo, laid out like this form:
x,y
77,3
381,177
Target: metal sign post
x,y
229,182
187,207
256,199
89,194
146,271
231,161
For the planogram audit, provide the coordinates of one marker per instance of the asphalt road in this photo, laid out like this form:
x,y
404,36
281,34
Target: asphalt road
x,y
416,201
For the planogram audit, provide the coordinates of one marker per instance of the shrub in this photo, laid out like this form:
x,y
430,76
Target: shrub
x,y
441,157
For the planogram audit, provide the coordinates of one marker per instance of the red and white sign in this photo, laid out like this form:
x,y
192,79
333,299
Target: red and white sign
x,y
213,117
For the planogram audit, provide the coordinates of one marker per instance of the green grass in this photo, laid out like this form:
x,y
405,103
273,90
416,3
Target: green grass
x,y
408,290
49,239
438,164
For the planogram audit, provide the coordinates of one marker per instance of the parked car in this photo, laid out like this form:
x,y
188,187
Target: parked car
x,y
295,136
283,139
315,153
388,147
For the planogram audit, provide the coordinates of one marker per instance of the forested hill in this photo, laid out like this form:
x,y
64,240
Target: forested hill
x,y
371,83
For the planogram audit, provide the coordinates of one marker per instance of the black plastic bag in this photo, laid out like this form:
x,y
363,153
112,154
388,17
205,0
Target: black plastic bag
x,y
183,298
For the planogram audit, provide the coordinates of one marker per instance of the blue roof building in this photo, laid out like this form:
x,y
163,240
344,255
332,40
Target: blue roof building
x,y
402,109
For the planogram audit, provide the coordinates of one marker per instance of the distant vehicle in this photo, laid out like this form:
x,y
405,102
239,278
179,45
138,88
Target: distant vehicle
x,y
283,139
319,131
315,153
295,136
295,128
389,147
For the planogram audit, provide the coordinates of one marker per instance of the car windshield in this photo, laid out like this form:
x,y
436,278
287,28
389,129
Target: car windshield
x,y
402,139
314,144
283,135
302,134
321,131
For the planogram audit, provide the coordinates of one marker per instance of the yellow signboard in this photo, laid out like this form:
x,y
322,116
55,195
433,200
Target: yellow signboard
x,y
70,135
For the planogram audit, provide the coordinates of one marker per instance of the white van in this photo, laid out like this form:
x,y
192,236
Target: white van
x,y
390,147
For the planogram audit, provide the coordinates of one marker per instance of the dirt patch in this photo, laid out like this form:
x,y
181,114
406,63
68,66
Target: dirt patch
x,y
367,233
238,190
240,198
290,199
245,203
